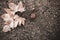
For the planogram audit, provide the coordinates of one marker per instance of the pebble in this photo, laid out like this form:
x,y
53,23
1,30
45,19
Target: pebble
x,y
33,16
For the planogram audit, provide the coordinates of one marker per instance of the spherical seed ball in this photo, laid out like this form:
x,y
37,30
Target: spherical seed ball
x,y
33,16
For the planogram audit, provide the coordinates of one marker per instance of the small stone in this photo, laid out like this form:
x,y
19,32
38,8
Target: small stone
x,y
33,16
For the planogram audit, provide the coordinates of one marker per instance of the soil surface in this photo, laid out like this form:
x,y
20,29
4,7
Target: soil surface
x,y
46,25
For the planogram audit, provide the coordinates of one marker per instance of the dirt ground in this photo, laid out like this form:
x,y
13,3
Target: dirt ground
x,y
46,25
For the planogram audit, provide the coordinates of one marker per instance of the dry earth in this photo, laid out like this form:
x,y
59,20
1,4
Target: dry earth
x,y
46,25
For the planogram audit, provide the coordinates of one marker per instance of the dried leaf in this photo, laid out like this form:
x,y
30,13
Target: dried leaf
x,y
6,17
8,10
7,22
15,7
11,19
11,25
15,24
20,7
21,21
6,28
12,6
